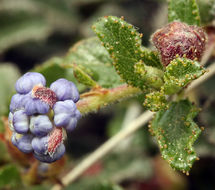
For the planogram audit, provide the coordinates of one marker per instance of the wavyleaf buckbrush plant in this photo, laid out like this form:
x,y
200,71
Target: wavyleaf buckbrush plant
x,y
109,68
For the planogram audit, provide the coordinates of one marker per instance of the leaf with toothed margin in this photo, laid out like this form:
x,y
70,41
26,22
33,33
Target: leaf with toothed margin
x,y
176,133
123,43
179,73
94,58
184,10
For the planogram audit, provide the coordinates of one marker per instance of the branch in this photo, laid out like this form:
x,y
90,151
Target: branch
x,y
101,97
115,140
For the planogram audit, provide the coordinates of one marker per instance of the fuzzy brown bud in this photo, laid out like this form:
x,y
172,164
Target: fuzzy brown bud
x,y
179,39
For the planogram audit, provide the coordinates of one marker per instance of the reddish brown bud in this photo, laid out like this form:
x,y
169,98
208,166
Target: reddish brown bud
x,y
179,39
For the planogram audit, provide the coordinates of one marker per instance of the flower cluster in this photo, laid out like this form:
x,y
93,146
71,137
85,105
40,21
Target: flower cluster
x,y
40,115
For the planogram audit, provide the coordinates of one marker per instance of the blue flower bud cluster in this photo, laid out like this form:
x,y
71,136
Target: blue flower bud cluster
x,y
39,116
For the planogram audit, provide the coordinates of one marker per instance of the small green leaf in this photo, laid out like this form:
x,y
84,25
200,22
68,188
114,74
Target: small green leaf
x,y
92,56
83,77
176,133
9,177
155,101
123,43
9,74
184,10
151,76
179,73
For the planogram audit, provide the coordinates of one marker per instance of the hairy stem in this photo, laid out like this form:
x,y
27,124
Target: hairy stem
x,y
101,97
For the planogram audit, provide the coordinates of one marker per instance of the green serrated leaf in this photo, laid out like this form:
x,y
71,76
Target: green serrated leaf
x,y
155,101
176,133
92,56
83,77
9,177
8,76
184,10
179,73
123,43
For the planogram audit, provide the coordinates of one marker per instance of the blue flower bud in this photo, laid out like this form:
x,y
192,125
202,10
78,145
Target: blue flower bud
x,y
35,106
22,142
65,90
25,84
20,122
40,145
51,158
16,102
40,125
66,114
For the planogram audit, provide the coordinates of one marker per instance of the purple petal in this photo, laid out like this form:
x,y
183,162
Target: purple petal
x,y
25,84
40,145
35,106
63,111
20,122
16,102
51,158
61,119
66,114
65,90
67,106
40,125
23,142
71,125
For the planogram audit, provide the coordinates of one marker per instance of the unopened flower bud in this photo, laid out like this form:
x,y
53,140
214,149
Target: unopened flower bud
x,y
179,39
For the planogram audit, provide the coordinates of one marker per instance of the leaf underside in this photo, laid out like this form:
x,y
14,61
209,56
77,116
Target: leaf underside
x,y
91,56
